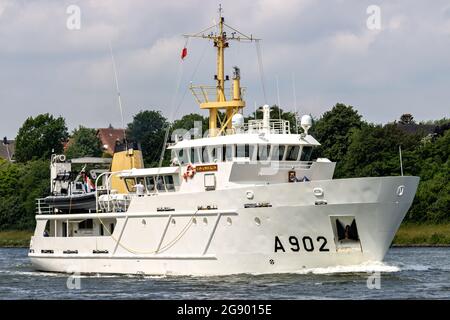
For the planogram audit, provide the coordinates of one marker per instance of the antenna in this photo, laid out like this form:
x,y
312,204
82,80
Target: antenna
x,y
401,161
118,92
278,98
295,101
220,10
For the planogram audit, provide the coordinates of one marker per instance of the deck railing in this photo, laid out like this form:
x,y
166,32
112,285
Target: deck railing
x,y
205,94
107,199
275,126
43,208
297,165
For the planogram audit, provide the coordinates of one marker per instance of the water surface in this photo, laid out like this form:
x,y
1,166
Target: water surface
x,y
407,273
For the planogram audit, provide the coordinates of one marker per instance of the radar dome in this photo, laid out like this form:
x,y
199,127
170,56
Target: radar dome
x,y
306,123
237,121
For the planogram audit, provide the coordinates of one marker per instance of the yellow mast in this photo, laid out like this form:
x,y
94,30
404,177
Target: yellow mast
x,y
219,100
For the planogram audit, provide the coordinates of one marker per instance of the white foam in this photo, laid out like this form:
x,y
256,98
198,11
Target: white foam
x,y
414,267
94,275
365,267
32,273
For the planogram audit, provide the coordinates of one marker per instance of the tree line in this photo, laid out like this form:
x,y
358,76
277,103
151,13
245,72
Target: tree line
x,y
360,149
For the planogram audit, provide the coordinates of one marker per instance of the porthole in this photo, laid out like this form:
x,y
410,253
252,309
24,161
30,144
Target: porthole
x,y
205,221
173,221
194,221
229,221
258,221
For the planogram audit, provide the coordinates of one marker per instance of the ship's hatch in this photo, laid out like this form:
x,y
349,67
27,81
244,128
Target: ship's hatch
x,y
346,235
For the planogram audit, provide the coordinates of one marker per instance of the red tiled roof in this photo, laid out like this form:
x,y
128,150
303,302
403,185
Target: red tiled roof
x,y
108,137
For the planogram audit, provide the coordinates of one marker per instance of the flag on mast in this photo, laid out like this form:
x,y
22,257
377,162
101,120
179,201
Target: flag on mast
x,y
183,53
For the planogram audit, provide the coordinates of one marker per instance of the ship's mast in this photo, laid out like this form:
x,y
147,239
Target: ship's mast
x,y
219,100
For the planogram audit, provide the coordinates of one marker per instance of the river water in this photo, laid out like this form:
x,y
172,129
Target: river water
x,y
407,273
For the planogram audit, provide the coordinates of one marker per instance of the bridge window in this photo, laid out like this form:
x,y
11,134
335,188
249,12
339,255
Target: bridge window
x,y
292,153
243,151
195,156
263,152
206,156
186,155
219,153
253,151
150,183
229,151
169,183
160,183
224,153
277,152
306,153
215,153
182,155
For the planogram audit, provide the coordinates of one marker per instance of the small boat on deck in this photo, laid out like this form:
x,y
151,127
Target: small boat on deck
x,y
82,201
73,191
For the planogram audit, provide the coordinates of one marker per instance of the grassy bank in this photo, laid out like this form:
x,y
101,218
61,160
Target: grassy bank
x,y
423,234
409,234
15,238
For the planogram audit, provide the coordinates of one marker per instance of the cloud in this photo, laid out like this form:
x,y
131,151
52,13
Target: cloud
x,y
325,45
350,43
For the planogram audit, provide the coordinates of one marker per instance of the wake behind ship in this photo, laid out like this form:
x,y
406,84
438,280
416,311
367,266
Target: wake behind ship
x,y
247,198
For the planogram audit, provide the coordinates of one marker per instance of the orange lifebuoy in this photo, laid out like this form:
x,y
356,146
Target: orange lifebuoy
x,y
190,172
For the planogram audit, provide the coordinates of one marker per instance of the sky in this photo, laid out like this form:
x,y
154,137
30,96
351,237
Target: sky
x,y
386,62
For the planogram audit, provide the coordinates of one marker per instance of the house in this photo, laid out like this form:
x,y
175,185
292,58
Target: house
x,y
7,149
109,136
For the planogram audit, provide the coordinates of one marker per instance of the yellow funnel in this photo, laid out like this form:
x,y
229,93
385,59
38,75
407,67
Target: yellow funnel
x,y
125,159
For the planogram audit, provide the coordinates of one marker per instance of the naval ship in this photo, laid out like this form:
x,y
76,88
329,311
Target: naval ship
x,y
246,198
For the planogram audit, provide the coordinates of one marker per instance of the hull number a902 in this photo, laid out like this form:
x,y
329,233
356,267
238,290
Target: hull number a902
x,y
306,243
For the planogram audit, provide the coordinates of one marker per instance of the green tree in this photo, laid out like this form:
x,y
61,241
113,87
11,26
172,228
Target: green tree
x,y
187,122
84,143
39,137
149,128
333,131
374,151
20,185
432,200
406,118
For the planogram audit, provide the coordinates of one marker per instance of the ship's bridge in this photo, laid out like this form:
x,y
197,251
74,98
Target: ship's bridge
x,y
256,140
253,146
